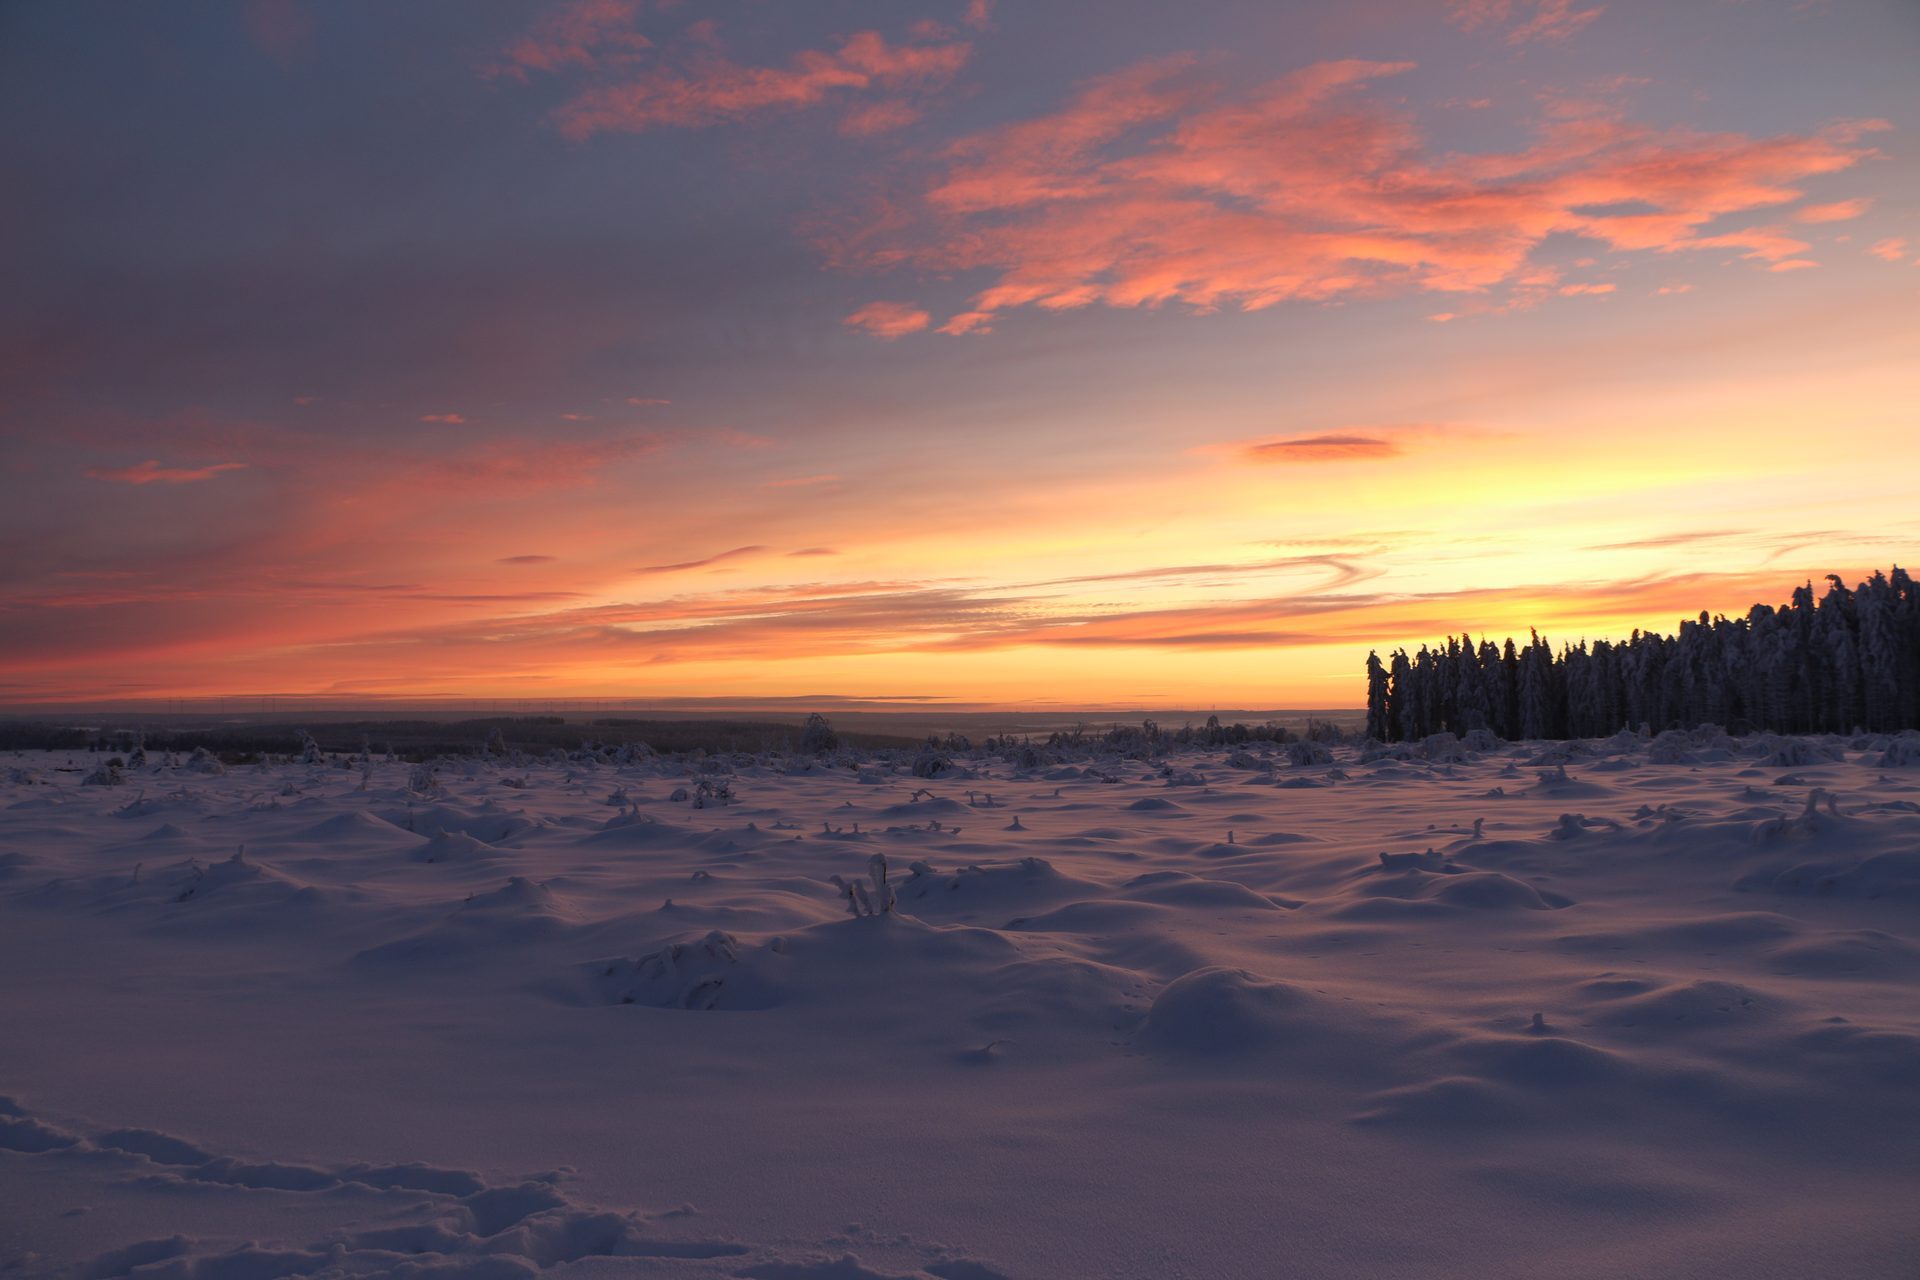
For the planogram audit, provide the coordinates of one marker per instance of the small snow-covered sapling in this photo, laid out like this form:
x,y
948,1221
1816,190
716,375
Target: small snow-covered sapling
x,y
869,899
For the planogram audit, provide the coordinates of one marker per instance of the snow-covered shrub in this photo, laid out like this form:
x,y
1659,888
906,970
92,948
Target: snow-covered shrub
x,y
817,737
1901,751
1671,747
868,899
105,774
1443,747
1308,752
204,761
423,780
931,764
1794,753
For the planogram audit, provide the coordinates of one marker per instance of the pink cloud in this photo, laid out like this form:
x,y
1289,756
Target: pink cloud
x,y
979,14
889,320
799,482
1149,187
710,89
1839,211
1525,20
1892,249
1793,264
880,117
582,34
448,419
151,472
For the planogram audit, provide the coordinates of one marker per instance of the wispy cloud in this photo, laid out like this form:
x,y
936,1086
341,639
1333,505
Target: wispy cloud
x,y
1151,187
529,559
1348,444
1329,448
1684,539
738,553
702,87
1524,21
579,34
151,472
1838,211
889,320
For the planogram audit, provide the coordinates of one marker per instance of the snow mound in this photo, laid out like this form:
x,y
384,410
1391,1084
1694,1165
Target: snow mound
x,y
1216,1012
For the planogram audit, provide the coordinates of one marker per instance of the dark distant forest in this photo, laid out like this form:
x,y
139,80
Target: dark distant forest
x,y
1848,660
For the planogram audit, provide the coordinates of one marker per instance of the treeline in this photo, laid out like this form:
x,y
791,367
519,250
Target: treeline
x,y
1849,660
418,740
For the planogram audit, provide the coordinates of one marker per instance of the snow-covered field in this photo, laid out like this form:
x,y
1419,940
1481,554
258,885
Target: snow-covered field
x,y
1619,1009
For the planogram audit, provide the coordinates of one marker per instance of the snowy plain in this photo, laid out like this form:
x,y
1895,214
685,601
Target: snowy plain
x,y
1619,1008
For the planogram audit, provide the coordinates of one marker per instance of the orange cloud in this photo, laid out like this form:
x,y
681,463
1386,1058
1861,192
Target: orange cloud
x,y
889,320
799,482
712,90
1892,249
1148,188
1327,448
1839,211
151,472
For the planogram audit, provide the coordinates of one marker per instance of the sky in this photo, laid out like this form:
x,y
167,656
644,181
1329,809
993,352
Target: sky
x,y
1109,355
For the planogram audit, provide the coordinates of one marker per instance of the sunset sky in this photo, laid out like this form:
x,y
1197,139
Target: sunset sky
x,y
1118,355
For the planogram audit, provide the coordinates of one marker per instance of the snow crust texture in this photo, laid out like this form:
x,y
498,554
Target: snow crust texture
x,y
1620,1007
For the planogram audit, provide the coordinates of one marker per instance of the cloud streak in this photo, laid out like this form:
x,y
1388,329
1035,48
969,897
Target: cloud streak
x,y
151,472
738,553
707,88
1327,448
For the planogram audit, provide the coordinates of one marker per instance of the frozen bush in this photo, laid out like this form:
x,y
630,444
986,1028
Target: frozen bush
x,y
1307,752
872,898
817,737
